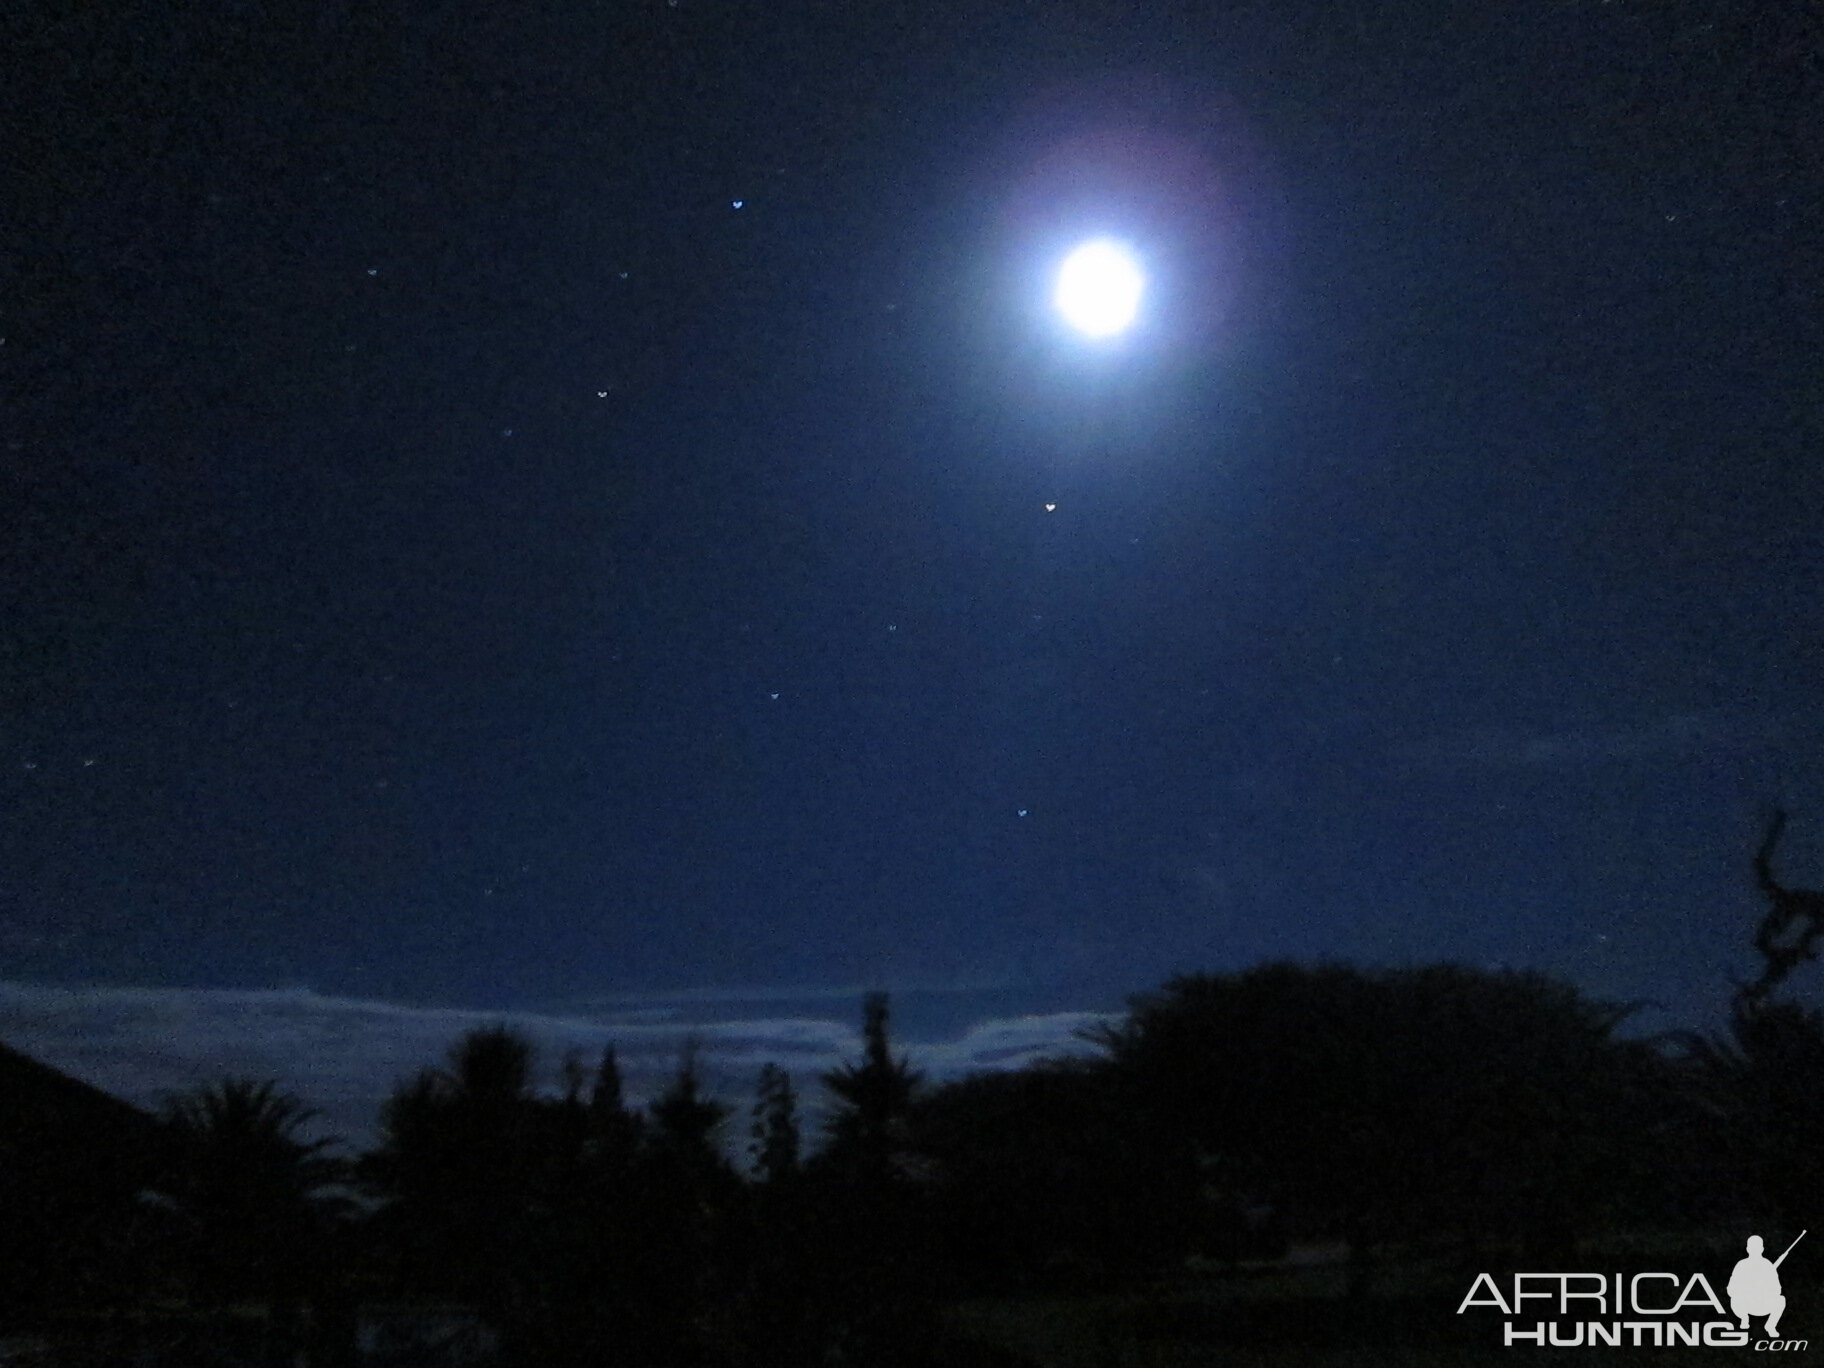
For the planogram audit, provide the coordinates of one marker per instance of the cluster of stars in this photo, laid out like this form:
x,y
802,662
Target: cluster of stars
x,y
1099,290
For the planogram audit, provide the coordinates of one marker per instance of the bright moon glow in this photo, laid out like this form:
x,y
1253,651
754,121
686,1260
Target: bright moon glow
x,y
1099,289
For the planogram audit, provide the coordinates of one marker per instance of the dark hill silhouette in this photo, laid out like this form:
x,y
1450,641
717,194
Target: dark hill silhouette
x,y
73,1160
40,1104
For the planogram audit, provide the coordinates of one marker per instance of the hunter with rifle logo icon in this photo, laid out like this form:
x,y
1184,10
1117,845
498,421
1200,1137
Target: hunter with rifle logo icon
x,y
1754,1286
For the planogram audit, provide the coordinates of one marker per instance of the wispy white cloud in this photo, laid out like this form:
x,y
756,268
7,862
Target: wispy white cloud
x,y
670,999
1010,1043
344,1055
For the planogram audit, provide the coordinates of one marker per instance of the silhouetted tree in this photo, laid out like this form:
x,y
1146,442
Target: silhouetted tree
x,y
491,1070
779,1299
689,1221
1043,1173
867,1128
1758,1090
873,1248
685,1120
1395,1105
457,1166
1757,1093
614,1129
602,1234
255,1199
1788,934
773,1149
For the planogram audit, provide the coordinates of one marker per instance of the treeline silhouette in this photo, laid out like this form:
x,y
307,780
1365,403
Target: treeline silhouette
x,y
1448,1111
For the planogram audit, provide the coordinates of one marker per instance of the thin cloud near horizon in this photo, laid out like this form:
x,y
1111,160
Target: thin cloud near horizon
x,y
850,992
344,1056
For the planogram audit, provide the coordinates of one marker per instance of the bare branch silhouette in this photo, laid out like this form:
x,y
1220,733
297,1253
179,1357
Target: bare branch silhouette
x,y
1788,935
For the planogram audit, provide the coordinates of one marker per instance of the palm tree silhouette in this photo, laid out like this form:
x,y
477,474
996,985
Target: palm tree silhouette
x,y
254,1201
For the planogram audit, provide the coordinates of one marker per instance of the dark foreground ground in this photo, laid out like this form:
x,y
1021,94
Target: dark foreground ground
x,y
1298,1313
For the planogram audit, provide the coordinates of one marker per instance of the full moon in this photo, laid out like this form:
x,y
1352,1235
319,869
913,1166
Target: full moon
x,y
1099,288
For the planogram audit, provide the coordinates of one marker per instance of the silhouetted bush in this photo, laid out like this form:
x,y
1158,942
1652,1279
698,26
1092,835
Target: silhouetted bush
x,y
1434,1103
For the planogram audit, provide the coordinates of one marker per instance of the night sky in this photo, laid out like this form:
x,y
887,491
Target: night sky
x,y
539,512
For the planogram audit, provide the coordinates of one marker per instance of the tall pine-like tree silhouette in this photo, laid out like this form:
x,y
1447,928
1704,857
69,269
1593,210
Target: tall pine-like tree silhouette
x,y
872,1244
867,1128
774,1134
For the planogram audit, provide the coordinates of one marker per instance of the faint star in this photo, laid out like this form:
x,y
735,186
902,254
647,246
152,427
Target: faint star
x,y
1024,811
1051,508
738,203
772,695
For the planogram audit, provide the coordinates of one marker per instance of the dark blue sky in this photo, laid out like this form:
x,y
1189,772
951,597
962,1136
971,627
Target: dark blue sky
x,y
457,557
